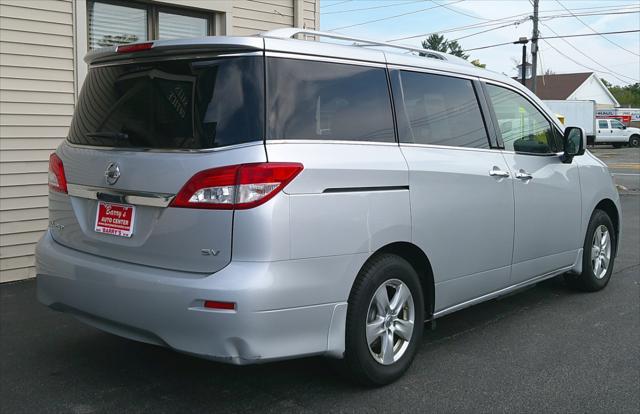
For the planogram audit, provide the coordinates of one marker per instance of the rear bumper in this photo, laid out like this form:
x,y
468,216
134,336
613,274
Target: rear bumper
x,y
166,307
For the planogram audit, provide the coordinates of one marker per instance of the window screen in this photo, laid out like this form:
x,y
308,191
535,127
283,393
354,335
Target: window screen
x,y
115,24
439,110
328,101
174,26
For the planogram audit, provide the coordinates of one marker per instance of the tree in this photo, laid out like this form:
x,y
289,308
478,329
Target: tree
x,y
438,43
628,96
549,72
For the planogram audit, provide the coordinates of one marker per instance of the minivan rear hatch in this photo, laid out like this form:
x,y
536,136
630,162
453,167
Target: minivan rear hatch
x,y
141,129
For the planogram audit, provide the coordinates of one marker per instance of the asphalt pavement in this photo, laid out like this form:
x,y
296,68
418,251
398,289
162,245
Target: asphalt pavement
x,y
544,349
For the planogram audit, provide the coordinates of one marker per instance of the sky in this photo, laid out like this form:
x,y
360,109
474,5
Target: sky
x,y
613,57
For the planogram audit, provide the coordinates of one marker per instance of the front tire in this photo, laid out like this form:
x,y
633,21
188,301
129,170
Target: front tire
x,y
385,320
598,255
634,141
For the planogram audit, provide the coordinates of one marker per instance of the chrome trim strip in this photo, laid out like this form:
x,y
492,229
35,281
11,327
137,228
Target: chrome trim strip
x,y
421,69
500,292
449,147
326,141
329,59
204,150
137,198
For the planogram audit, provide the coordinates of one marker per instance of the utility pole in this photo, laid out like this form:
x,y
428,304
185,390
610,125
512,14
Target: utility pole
x,y
523,68
534,47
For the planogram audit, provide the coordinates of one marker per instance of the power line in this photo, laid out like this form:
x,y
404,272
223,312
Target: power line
x,y
594,30
514,18
612,72
335,4
373,7
556,37
487,30
461,12
388,17
576,62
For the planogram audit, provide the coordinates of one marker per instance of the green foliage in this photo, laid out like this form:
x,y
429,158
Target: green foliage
x,y
627,96
438,43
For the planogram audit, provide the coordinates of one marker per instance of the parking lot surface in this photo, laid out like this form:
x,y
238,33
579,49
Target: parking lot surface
x,y
544,349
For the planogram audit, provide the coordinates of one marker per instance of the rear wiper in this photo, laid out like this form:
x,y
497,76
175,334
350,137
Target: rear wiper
x,y
113,135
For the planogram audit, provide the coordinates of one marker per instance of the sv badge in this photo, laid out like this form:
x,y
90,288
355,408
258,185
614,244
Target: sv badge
x,y
209,252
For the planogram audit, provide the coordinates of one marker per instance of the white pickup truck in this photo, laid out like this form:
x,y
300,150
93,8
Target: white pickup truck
x,y
612,131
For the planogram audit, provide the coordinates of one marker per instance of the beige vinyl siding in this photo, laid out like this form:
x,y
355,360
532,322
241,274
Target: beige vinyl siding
x,y
37,90
254,16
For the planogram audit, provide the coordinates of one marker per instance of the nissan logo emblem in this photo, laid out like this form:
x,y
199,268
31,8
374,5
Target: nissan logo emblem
x,y
112,173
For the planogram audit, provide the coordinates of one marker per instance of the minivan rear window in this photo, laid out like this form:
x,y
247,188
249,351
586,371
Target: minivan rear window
x,y
328,101
172,104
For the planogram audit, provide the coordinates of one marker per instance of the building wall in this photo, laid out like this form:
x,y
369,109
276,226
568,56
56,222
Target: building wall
x,y
593,90
42,43
36,103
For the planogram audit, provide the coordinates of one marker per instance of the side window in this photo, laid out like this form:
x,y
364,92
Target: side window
x,y
603,124
523,127
328,101
616,124
438,110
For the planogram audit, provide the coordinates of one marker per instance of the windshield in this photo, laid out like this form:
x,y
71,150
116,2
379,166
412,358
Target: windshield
x,y
173,104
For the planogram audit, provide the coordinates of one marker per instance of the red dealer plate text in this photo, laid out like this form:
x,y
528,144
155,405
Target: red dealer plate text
x,y
115,219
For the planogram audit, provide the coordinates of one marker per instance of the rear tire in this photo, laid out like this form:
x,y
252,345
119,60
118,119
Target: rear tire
x,y
617,145
598,255
385,320
634,141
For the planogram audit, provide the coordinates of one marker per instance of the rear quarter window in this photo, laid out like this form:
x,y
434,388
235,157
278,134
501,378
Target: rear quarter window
x,y
328,101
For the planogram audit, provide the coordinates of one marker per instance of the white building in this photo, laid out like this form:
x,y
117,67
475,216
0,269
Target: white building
x,y
574,86
42,44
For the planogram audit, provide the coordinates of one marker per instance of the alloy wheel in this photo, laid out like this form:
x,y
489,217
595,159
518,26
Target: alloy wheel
x,y
390,322
600,251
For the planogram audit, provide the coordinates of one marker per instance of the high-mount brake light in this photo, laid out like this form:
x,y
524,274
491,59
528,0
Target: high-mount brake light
x,y
136,47
57,179
236,187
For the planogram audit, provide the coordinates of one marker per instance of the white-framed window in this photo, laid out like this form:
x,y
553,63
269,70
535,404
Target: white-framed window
x,y
114,22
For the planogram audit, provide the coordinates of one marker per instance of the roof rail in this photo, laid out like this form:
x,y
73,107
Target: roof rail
x,y
291,32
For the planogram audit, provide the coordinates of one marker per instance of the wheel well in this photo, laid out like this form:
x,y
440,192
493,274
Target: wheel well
x,y
418,259
609,207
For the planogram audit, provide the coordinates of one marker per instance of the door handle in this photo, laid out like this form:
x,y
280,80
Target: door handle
x,y
497,172
523,175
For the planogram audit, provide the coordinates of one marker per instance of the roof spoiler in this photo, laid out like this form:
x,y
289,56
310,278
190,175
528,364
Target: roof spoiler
x,y
210,44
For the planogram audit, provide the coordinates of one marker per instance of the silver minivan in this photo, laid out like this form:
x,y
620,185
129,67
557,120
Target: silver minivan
x,y
250,199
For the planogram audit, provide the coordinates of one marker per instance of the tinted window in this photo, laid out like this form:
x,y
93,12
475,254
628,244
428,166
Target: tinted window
x,y
523,127
331,101
439,110
174,104
603,124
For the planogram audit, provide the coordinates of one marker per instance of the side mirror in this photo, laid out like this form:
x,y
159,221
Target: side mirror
x,y
574,143
624,127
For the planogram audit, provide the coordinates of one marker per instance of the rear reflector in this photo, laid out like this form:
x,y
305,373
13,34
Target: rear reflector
x,y
57,179
214,304
236,187
136,47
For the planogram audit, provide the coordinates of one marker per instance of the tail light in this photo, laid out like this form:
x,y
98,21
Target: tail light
x,y
236,187
136,47
57,180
